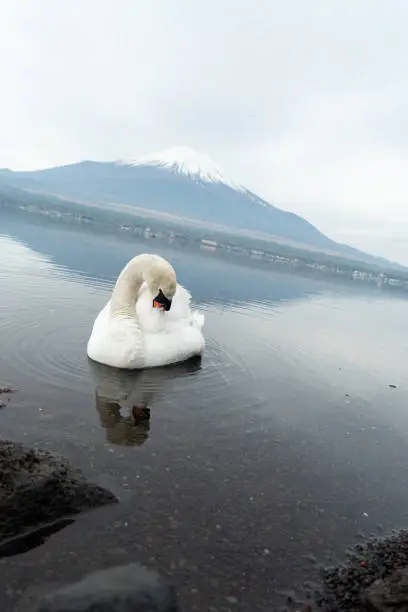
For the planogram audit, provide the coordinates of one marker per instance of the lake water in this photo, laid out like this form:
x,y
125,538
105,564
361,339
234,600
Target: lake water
x,y
283,447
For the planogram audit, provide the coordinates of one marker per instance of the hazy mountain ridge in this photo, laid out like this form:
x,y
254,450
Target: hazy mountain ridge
x,y
174,183
167,192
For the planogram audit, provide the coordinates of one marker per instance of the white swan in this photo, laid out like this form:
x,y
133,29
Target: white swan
x,y
148,321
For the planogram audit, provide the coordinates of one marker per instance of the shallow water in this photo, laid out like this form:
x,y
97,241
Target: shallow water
x,y
286,441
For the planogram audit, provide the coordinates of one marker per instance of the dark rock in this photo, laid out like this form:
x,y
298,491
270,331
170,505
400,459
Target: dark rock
x,y
38,487
389,594
392,386
127,588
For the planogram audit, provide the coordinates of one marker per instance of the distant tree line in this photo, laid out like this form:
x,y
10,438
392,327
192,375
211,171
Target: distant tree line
x,y
113,219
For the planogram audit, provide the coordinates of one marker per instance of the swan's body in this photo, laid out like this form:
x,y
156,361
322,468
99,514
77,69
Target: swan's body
x,y
129,333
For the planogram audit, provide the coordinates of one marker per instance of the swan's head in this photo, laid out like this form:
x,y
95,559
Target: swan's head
x,y
162,282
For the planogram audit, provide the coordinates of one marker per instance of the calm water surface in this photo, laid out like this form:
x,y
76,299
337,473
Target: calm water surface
x,y
283,446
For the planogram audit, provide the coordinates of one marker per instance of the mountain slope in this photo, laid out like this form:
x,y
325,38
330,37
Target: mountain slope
x,y
180,182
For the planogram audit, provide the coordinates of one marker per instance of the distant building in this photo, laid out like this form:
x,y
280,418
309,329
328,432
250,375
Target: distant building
x,y
208,245
256,254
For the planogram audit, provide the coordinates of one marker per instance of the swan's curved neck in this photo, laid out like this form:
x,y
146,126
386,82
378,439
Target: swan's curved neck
x,y
126,290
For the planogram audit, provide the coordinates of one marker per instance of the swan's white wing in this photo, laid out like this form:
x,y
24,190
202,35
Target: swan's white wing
x,y
178,343
180,310
180,305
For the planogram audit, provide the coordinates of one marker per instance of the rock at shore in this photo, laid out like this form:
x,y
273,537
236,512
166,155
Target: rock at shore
x,y
127,588
389,594
38,487
374,578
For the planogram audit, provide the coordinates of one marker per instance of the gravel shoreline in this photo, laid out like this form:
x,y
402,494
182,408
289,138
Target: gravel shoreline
x,y
363,581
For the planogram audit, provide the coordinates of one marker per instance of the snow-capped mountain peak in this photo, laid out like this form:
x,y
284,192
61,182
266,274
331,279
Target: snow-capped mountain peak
x,y
184,160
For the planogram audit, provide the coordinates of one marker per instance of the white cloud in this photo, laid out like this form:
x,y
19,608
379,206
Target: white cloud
x,y
304,102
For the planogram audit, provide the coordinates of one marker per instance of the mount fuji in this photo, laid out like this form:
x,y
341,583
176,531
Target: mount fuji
x,y
185,161
182,185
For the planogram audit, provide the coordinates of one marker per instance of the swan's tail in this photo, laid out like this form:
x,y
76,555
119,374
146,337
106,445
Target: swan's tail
x,y
197,319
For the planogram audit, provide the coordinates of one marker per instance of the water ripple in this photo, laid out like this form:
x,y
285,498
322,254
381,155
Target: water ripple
x,y
46,314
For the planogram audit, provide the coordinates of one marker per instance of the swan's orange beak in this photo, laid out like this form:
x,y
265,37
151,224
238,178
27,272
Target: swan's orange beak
x,y
161,301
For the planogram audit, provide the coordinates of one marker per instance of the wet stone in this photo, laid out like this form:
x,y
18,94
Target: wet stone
x,y
127,588
39,487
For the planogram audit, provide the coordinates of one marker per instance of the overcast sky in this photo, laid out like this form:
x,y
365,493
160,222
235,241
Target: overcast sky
x,y
302,101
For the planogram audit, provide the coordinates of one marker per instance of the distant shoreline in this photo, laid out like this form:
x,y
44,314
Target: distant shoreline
x,y
238,247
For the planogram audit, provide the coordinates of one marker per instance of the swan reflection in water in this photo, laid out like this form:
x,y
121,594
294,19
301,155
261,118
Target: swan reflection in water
x,y
132,393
